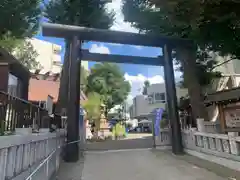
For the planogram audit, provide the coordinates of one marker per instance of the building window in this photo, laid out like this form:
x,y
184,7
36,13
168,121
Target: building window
x,y
150,99
160,97
14,86
57,63
56,50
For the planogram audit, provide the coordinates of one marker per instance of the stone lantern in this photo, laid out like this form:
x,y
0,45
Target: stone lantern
x,y
104,126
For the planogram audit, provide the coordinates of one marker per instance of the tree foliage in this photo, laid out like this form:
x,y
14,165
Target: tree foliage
x,y
88,13
19,18
92,106
145,87
205,63
108,80
9,43
83,79
23,51
209,24
26,54
182,19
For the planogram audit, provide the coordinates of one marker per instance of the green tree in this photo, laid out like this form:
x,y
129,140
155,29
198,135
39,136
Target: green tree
x,y
20,18
26,54
108,80
9,43
88,13
22,50
83,79
93,106
145,87
209,23
205,64
193,20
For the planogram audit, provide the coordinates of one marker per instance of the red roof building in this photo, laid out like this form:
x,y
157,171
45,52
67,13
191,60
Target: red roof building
x,y
40,89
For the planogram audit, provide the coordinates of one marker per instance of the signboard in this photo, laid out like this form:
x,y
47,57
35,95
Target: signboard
x,y
158,117
229,118
232,117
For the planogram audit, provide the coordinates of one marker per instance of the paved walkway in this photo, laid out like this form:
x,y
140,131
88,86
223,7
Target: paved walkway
x,y
138,164
133,141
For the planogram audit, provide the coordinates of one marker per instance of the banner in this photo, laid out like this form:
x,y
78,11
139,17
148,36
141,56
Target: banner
x,y
158,117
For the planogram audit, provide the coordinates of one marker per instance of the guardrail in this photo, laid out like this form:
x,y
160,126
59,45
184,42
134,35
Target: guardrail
x,y
48,167
18,113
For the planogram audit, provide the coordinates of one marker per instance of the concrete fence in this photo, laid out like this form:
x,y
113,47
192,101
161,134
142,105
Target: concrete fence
x,y
212,127
21,154
217,144
164,139
218,148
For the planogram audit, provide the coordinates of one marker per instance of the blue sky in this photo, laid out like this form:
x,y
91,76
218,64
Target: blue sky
x,y
135,74
131,69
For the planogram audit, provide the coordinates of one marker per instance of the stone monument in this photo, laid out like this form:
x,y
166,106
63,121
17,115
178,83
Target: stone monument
x,y
104,130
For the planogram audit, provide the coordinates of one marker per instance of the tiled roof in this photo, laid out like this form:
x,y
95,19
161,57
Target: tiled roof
x,y
40,89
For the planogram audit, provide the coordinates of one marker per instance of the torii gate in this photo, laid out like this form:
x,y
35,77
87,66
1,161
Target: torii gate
x,y
77,34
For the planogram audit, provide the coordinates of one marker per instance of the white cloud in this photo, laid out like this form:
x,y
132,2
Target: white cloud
x,y
137,83
138,47
119,24
99,49
114,44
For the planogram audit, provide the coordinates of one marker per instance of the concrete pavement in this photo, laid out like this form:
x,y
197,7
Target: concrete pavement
x,y
132,141
134,159
138,164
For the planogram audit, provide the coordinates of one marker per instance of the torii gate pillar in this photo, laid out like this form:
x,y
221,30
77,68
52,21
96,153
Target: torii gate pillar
x,y
73,107
177,147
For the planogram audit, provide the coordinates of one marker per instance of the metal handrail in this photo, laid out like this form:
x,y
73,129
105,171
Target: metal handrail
x,y
47,158
22,100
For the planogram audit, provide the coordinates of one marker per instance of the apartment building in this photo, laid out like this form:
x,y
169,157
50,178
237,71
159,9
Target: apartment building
x,y
49,56
156,98
84,64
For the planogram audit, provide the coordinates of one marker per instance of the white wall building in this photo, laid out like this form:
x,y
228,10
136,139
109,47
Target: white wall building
x,y
156,98
85,65
49,55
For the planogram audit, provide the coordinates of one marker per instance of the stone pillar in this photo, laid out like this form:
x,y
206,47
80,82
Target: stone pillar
x,y
234,146
200,125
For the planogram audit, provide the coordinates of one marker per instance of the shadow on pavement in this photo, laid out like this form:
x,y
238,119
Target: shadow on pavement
x,y
220,170
67,171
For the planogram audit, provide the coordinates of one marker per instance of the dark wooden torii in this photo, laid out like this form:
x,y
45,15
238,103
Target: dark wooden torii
x,y
77,34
